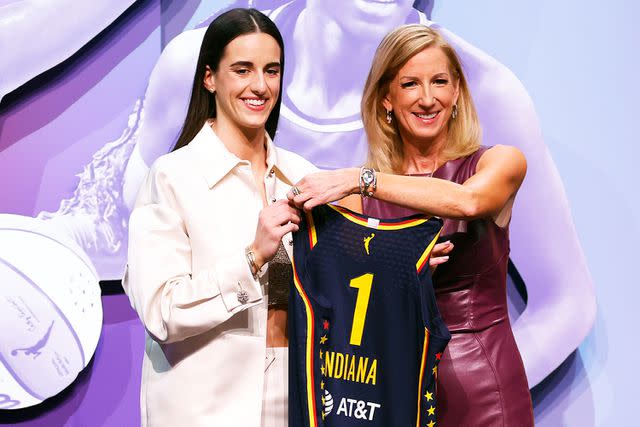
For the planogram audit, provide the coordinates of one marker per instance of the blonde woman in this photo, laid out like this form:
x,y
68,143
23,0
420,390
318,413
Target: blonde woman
x,y
425,155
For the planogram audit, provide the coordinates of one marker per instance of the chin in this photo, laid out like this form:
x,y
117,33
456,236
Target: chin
x,y
427,133
371,18
424,135
254,124
375,29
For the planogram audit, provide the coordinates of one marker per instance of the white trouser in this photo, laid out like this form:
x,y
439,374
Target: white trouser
x,y
275,405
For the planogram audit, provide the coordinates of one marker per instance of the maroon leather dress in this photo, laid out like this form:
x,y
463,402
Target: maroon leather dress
x,y
481,378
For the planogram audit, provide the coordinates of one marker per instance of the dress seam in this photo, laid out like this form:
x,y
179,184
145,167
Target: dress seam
x,y
495,376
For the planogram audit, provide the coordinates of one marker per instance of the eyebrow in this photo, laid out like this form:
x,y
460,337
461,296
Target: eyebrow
x,y
250,64
444,73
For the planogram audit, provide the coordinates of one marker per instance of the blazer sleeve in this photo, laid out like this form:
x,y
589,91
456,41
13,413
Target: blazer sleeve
x,y
172,302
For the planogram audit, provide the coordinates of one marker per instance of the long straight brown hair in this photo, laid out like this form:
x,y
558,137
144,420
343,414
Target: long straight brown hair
x,y
222,30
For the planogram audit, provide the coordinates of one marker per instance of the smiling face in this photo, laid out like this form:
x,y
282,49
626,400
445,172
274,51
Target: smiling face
x,y
247,81
422,95
365,18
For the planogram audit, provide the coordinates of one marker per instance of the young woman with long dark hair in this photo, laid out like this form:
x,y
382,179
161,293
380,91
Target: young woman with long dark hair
x,y
209,217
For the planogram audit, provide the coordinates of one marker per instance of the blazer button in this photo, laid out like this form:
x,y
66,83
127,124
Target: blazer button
x,y
243,296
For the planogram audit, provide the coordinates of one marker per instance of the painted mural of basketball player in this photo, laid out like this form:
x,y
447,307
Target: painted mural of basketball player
x,y
70,25
329,45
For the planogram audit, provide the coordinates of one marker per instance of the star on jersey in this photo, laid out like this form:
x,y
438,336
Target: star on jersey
x,y
431,424
429,396
431,411
323,339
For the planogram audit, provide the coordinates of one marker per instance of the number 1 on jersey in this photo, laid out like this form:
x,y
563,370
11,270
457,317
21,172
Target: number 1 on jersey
x,y
363,285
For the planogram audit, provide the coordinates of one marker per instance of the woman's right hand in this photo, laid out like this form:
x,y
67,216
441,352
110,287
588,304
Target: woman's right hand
x,y
323,187
274,222
440,254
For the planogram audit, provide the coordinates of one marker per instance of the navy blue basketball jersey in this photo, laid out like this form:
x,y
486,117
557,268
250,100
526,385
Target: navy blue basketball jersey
x,y
365,335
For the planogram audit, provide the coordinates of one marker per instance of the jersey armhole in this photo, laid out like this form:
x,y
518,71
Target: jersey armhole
x,y
422,264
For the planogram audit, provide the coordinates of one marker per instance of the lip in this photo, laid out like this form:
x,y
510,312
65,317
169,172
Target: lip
x,y
379,8
426,121
253,107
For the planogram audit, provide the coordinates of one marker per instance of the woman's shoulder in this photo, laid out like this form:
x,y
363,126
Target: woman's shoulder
x,y
294,166
500,151
490,151
172,160
468,160
507,157
170,167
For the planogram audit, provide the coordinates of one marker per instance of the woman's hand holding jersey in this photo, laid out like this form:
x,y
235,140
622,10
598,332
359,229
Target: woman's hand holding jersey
x,y
274,222
324,187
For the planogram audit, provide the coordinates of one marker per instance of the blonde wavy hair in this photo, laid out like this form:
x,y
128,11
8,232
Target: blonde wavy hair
x,y
385,145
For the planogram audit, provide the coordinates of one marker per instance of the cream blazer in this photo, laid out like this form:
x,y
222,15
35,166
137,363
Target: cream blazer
x,y
187,278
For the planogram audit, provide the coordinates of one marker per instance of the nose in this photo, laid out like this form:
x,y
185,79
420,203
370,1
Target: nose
x,y
259,84
426,97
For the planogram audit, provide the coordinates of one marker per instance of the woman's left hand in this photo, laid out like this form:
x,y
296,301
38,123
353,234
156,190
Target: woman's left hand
x,y
324,187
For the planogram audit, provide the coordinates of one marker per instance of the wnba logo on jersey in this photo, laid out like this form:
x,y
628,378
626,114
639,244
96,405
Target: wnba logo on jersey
x,y
367,242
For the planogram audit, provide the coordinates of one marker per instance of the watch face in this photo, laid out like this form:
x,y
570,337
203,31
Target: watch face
x,y
367,177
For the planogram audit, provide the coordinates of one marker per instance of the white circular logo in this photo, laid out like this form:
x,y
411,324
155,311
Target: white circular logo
x,y
327,402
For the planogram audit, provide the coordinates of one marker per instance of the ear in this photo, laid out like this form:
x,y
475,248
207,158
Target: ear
x,y
209,80
386,103
456,91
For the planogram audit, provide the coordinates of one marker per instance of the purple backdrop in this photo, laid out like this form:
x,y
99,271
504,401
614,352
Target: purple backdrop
x,y
76,140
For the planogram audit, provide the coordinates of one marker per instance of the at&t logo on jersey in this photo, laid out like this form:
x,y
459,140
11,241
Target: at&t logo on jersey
x,y
350,408
327,403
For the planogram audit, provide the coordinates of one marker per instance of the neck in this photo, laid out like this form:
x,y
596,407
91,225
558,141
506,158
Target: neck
x,y
422,157
246,144
329,84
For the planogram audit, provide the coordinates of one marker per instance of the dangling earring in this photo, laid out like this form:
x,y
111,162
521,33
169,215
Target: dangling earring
x,y
389,118
454,112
